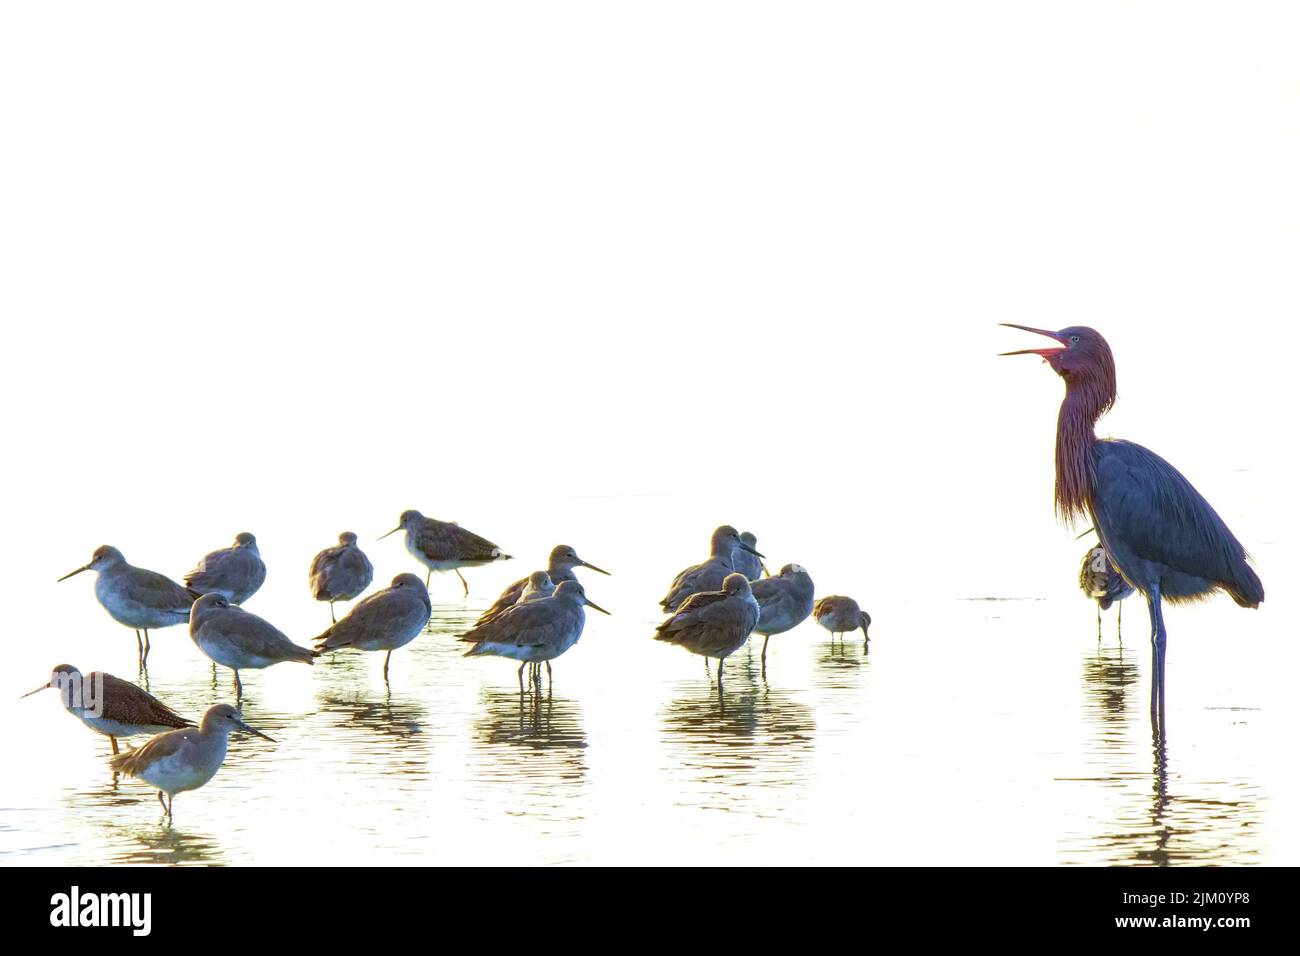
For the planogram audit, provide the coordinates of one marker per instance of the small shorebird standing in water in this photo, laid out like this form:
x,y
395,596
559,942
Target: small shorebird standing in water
x,y
234,638
784,601
714,623
445,545
340,573
235,572
385,621
139,598
559,568
109,705
1098,579
748,562
184,760
708,575
839,615
536,631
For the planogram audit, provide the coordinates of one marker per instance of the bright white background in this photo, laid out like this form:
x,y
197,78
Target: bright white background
x,y
294,267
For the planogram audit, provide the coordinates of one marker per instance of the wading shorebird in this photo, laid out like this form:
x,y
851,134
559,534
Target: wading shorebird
x,y
748,563
182,760
445,545
784,601
539,588
1098,579
709,575
714,623
234,638
235,572
839,615
385,621
340,573
1158,530
109,705
536,632
136,597
559,568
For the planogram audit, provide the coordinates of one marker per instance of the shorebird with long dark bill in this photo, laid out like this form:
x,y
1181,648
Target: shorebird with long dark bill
x,y
748,562
708,575
182,760
1158,530
714,623
559,568
385,621
536,632
445,545
340,573
785,601
109,705
234,638
136,597
235,572
1099,580
839,615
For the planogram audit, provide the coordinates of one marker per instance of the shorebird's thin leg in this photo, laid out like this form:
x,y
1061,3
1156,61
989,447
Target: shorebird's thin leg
x,y
1098,622
169,807
163,802
387,658
550,681
1119,622
139,645
463,581
239,687
764,656
720,661
333,619
113,741
521,678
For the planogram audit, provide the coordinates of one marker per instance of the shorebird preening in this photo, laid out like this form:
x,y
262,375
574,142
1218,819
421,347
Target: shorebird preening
x,y
559,568
235,572
785,601
535,632
748,562
182,760
714,623
139,598
445,545
385,621
234,638
708,575
1099,580
340,573
839,615
109,705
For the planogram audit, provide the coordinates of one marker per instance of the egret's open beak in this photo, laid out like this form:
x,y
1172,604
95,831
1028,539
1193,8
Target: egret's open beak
x,y
71,573
594,606
1043,353
745,547
251,730
587,564
45,686
394,531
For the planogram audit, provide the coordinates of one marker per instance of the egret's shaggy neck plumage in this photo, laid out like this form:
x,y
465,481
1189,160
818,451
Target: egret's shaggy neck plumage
x,y
1087,398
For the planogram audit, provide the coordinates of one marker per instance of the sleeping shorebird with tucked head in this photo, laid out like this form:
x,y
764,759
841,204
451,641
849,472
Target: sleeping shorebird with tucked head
x,y
136,597
785,602
535,632
182,760
385,621
539,588
234,638
748,563
1099,580
235,572
708,575
340,573
559,568
109,705
714,623
840,614
445,545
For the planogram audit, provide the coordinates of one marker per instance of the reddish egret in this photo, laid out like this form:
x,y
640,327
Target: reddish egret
x,y
1161,535
235,572
1098,579
708,575
839,614
559,568
340,573
445,545
535,632
714,623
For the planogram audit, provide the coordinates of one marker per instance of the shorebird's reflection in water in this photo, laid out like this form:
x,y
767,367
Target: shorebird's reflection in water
x,y
841,666
165,843
1108,680
454,618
